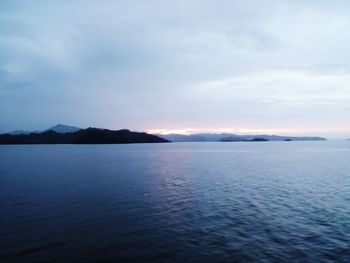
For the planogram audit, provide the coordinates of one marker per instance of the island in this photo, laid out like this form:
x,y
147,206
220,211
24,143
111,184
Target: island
x,y
235,139
230,137
81,136
258,140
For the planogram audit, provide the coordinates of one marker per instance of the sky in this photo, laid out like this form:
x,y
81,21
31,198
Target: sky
x,y
273,66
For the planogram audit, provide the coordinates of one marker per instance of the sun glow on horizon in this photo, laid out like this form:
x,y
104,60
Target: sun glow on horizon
x,y
270,131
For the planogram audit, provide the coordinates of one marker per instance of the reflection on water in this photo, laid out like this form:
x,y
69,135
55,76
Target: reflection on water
x,y
208,202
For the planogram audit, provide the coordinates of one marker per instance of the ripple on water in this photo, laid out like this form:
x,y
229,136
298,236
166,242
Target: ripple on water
x,y
209,202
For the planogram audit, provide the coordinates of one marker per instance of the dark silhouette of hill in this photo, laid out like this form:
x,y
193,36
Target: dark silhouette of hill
x,y
83,136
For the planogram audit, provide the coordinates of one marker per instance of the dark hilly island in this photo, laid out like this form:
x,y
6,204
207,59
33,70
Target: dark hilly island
x,y
81,136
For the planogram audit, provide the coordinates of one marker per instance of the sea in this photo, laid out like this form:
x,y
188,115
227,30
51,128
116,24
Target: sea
x,y
176,202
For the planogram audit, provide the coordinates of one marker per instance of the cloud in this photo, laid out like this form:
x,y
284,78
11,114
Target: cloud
x,y
159,64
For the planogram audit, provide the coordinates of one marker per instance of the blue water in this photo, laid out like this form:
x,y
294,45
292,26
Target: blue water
x,y
204,202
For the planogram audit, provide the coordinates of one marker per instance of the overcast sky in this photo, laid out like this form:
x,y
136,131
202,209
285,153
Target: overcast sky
x,y
244,66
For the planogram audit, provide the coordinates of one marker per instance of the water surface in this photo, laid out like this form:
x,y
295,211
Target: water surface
x,y
205,202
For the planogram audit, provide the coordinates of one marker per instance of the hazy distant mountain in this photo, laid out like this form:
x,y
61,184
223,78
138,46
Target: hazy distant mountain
x,y
61,128
200,137
17,132
82,136
215,137
184,138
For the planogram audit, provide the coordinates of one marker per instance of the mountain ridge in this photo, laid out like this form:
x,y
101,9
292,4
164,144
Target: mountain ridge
x,y
59,128
82,136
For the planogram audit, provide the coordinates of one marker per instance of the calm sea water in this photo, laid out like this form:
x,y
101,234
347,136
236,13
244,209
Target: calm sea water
x,y
205,202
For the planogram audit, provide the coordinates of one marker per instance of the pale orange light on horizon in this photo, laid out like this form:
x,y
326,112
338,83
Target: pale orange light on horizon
x,y
270,131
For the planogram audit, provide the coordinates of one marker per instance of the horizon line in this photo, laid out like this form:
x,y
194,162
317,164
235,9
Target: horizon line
x,y
304,131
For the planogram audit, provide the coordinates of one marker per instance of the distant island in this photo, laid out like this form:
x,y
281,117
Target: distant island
x,y
227,137
235,139
61,134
